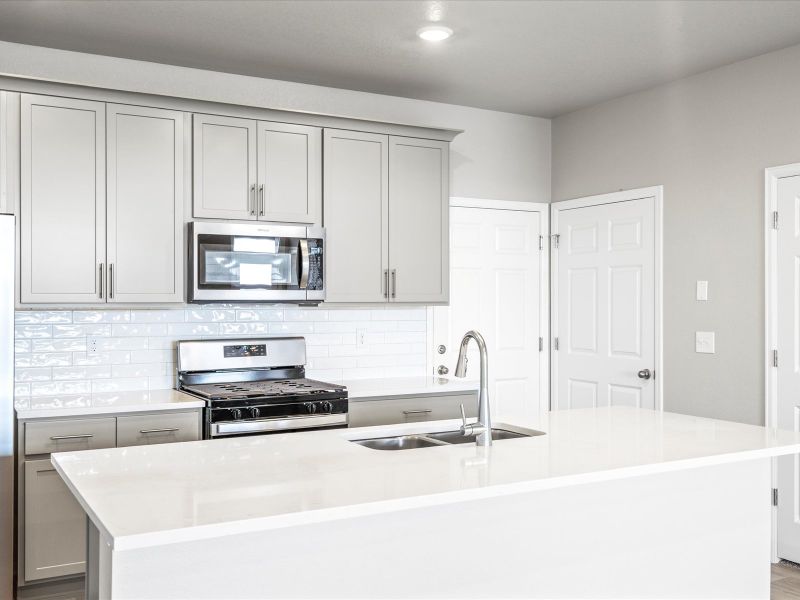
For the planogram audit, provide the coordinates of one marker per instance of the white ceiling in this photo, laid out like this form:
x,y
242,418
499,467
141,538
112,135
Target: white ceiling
x,y
538,58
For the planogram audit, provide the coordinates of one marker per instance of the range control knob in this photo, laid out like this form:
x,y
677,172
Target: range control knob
x,y
327,406
311,407
236,413
255,412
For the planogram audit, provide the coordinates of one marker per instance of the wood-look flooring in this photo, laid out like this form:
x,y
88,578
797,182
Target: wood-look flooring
x,y
785,581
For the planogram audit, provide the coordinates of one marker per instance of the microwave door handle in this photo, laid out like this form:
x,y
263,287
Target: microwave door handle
x,y
304,264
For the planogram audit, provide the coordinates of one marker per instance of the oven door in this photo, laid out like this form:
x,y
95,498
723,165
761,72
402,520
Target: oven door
x,y
255,263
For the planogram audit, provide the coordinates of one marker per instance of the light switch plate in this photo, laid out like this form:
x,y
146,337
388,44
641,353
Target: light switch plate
x,y
704,342
702,291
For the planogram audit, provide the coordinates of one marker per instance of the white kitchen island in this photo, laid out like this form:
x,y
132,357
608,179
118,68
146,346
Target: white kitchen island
x,y
610,503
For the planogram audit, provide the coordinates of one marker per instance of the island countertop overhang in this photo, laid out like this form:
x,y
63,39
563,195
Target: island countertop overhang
x,y
154,495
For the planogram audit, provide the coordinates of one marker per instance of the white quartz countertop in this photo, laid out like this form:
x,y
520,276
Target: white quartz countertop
x,y
362,389
103,404
152,495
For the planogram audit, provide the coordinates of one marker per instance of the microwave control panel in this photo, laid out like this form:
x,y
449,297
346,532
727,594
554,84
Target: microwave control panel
x,y
315,263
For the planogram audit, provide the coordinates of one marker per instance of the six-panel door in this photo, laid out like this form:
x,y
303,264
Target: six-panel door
x,y
224,167
145,204
55,524
289,172
62,217
418,223
356,218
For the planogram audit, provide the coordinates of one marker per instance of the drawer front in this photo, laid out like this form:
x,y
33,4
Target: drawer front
x,y
44,437
141,430
387,411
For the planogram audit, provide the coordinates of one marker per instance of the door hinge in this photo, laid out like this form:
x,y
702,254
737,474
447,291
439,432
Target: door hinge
x,y
556,238
555,344
775,219
541,344
774,496
774,358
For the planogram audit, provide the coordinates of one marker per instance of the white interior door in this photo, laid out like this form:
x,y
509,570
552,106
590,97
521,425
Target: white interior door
x,y
604,302
788,372
497,280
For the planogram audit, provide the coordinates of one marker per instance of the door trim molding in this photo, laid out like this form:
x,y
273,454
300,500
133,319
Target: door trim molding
x,y
771,177
657,194
544,285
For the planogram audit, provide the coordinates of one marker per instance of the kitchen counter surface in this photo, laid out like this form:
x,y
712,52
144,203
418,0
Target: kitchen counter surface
x,y
154,495
364,389
104,404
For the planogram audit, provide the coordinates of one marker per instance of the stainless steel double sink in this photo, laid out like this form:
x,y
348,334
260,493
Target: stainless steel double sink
x,y
442,438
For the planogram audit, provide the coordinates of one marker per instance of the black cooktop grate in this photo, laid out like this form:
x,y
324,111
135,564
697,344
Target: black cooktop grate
x,y
261,389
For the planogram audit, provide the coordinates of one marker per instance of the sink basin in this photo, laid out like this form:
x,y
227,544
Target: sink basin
x,y
400,442
441,438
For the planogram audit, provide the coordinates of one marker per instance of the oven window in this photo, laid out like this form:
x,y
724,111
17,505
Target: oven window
x,y
230,262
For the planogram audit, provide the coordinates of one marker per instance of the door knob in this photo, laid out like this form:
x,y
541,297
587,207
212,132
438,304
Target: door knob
x,y
645,374
442,370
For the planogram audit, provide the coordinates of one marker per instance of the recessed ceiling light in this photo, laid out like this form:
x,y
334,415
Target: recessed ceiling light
x,y
435,33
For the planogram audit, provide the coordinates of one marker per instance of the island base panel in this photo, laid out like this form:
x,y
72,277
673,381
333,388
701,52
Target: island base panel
x,y
701,532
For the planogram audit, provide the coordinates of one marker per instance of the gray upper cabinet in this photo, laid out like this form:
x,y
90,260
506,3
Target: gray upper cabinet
x,y
248,170
418,220
145,204
62,211
289,173
224,167
356,215
386,216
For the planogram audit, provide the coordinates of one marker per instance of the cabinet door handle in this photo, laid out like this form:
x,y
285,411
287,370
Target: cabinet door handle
x,y
71,437
394,283
164,430
111,281
386,283
252,200
261,200
101,279
424,411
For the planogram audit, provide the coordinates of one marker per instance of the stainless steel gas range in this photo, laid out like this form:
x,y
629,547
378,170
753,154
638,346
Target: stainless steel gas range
x,y
258,386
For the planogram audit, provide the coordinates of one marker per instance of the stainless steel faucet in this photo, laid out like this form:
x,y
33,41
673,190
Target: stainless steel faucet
x,y
484,425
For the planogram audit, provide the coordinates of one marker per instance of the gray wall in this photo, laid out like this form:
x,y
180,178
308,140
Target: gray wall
x,y
707,139
499,156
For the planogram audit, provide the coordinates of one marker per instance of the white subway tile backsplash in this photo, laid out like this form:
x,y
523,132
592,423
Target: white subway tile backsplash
x,y
135,349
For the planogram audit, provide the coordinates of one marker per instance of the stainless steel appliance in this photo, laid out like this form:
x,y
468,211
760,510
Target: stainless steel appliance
x,y
232,262
256,386
7,500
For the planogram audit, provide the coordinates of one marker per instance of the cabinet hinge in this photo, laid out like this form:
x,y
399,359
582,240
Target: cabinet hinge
x,y
774,358
555,344
541,344
774,496
556,238
775,219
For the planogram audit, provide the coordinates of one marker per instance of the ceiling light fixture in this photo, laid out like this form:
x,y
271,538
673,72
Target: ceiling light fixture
x,y
435,33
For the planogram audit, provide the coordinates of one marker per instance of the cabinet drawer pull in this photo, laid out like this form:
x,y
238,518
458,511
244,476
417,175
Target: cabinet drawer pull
x,y
71,437
47,470
164,430
418,412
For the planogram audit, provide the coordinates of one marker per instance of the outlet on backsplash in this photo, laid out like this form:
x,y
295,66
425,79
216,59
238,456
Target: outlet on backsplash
x,y
91,345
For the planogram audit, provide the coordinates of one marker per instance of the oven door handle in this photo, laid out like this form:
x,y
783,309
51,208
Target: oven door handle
x,y
281,424
304,264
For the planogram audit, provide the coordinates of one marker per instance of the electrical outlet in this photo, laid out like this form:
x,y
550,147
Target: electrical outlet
x,y
702,291
361,338
91,345
704,342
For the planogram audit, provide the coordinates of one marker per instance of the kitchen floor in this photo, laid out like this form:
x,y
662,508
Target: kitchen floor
x,y
785,581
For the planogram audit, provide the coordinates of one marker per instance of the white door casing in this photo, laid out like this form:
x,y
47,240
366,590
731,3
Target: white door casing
x,y
498,286
782,352
605,296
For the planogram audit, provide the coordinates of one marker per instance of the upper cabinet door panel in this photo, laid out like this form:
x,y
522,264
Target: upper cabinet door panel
x,y
145,204
356,215
62,214
289,171
224,167
418,220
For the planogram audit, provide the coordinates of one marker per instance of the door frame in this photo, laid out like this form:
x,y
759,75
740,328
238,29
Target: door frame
x,y
771,177
544,284
657,193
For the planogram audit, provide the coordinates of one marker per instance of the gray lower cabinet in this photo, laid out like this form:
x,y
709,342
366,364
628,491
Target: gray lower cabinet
x,y
411,409
52,525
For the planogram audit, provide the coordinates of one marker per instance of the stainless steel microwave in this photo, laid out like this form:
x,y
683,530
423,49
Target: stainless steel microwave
x,y
231,262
